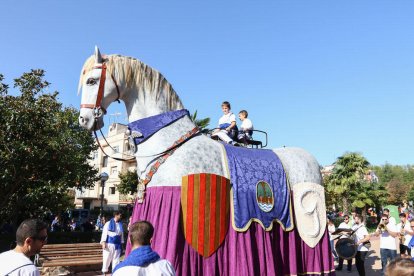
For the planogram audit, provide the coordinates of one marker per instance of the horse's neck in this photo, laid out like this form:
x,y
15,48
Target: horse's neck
x,y
140,104
162,140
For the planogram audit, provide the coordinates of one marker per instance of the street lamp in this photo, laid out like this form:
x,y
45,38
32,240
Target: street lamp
x,y
104,177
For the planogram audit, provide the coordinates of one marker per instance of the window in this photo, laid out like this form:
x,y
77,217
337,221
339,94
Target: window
x,y
114,170
95,155
111,190
105,161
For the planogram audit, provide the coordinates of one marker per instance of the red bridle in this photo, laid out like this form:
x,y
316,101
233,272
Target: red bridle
x,y
97,106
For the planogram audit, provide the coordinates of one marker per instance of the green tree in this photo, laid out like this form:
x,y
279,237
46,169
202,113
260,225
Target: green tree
x,y
43,150
398,180
348,175
128,183
201,123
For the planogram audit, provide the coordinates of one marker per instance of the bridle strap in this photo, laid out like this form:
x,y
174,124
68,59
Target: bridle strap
x,y
101,86
101,89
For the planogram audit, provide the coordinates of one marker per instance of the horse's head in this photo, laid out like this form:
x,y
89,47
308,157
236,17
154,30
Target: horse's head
x,y
99,90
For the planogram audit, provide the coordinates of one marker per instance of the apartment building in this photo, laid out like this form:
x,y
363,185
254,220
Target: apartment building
x,y
118,147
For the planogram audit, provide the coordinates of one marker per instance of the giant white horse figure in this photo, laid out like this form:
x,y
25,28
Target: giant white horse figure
x,y
186,193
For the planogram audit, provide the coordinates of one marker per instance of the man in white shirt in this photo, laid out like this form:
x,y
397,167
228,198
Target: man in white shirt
x,y
143,260
361,237
344,225
30,237
390,218
405,235
388,247
111,241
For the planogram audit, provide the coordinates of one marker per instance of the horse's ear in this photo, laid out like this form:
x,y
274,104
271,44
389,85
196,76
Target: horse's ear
x,y
98,56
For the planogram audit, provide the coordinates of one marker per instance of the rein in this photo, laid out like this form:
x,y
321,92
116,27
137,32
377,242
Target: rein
x,y
100,146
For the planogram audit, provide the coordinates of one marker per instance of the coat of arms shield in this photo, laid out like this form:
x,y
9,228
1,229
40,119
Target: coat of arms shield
x,y
205,207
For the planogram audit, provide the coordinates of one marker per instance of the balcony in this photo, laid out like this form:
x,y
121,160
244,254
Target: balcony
x,y
86,193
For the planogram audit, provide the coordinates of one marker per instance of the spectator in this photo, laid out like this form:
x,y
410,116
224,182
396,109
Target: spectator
x,y
143,260
111,240
30,237
100,222
56,225
331,229
411,242
388,248
400,267
73,225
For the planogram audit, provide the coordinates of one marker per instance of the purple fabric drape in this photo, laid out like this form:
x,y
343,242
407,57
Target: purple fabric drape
x,y
254,252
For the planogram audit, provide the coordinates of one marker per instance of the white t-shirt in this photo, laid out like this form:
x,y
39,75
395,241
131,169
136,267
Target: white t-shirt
x,y
386,240
159,268
17,264
227,118
246,124
360,233
392,220
406,227
344,225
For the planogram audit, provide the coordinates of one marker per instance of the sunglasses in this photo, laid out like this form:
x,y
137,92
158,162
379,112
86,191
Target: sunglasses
x,y
43,239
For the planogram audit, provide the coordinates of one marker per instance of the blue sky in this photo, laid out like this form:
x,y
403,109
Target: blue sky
x,y
327,76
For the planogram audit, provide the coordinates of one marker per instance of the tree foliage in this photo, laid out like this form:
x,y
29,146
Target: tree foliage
x,y
399,182
128,183
347,185
201,123
43,150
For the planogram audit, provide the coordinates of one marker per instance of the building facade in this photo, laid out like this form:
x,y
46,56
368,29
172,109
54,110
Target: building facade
x,y
118,147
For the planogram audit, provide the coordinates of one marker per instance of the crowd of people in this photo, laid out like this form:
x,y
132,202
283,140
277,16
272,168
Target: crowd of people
x,y
32,235
389,232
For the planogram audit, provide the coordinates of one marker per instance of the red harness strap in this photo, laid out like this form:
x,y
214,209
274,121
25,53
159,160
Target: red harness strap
x,y
154,168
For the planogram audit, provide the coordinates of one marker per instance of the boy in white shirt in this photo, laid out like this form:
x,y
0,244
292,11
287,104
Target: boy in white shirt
x,y
246,128
227,125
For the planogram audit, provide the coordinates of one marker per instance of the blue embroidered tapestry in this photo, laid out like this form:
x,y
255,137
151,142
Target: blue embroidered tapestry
x,y
150,125
260,190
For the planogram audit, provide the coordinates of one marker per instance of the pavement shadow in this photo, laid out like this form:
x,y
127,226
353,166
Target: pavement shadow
x,y
371,263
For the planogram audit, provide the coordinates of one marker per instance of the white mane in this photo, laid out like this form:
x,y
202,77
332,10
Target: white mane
x,y
136,75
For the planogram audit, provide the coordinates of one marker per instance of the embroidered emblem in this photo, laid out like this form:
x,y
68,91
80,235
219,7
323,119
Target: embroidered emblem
x,y
264,196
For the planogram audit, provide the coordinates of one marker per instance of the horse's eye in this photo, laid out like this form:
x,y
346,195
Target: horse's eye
x,y
91,81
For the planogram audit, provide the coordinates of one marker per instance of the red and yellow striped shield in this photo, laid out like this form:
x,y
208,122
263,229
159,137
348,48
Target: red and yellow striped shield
x,y
205,205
